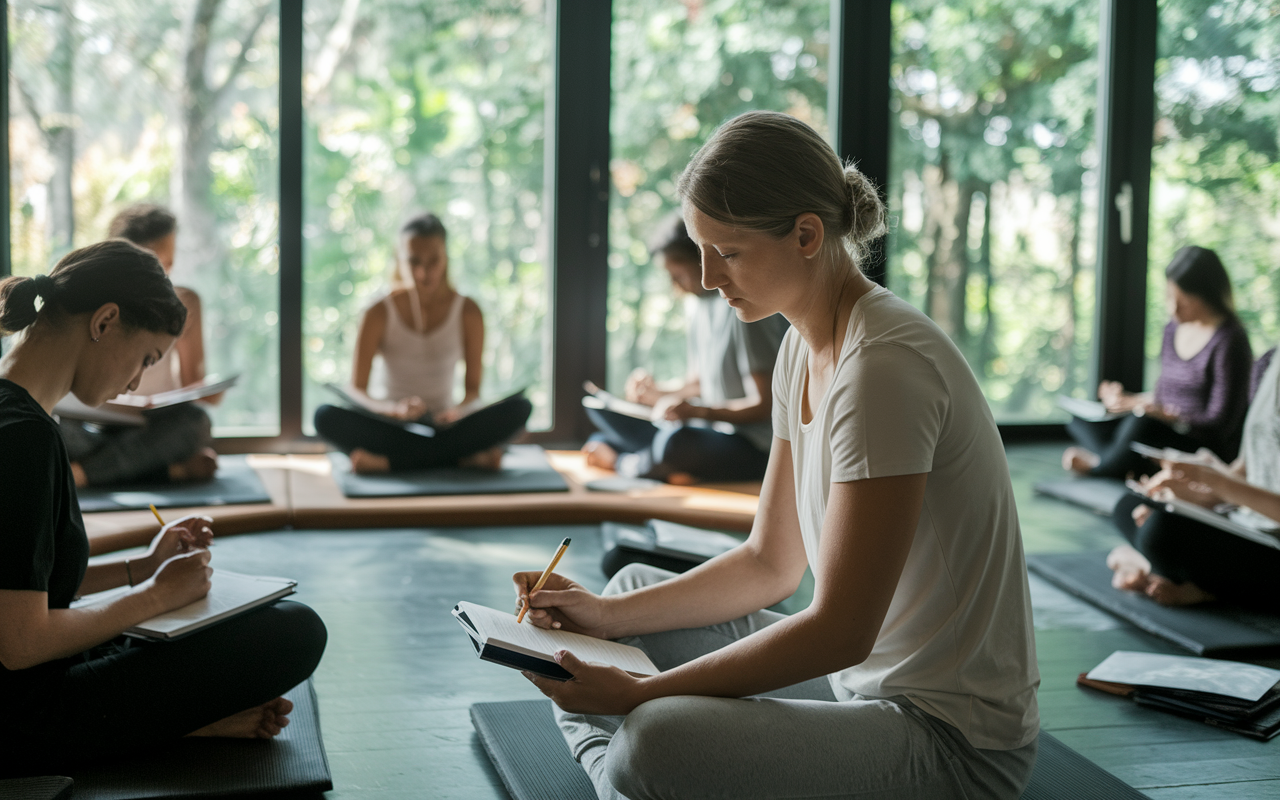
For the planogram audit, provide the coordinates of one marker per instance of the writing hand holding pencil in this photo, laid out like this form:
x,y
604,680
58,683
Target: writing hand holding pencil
x,y
550,600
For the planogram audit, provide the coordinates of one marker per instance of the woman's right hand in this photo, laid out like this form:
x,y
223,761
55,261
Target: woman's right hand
x,y
409,409
182,580
561,604
1114,397
641,387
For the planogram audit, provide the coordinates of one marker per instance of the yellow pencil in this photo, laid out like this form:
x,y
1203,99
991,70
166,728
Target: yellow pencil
x,y
159,518
545,574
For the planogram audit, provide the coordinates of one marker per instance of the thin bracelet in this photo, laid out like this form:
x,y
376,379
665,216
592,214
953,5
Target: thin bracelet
x,y
128,571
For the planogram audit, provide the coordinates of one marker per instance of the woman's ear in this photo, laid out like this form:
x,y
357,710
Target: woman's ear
x,y
809,234
102,320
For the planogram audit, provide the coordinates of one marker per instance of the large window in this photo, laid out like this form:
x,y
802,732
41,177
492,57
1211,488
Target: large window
x,y
113,103
679,70
437,107
1215,175
993,189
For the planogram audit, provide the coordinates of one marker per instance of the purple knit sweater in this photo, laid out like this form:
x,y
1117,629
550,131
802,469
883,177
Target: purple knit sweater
x,y
1211,389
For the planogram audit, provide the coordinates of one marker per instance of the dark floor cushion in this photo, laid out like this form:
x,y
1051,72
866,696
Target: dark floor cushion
x,y
524,469
50,788
236,483
293,764
532,759
1209,629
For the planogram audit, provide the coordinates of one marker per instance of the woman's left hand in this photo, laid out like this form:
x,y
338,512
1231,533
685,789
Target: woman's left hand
x,y
194,532
595,688
682,410
1190,482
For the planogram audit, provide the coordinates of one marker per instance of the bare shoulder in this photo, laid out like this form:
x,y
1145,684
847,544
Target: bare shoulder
x,y
471,309
189,297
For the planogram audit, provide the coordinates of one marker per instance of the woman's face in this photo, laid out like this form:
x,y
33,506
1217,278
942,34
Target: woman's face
x,y
1184,307
164,248
686,273
425,261
757,274
114,364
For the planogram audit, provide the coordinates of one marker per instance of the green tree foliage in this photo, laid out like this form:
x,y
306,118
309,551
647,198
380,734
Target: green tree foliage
x,y
993,189
679,70
1215,178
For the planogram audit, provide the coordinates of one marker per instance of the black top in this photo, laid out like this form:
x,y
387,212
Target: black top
x,y
43,546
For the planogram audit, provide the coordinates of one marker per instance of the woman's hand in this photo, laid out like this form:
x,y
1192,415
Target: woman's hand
x,y
595,688
181,580
409,409
1193,483
678,410
1113,396
448,415
1150,408
641,387
194,532
561,604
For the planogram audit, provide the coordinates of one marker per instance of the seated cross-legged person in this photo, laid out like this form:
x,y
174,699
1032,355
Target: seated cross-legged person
x,y
1180,561
175,443
72,688
714,427
422,330
1203,390
913,671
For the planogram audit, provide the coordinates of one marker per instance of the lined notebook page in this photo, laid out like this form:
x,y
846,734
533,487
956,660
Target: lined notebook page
x,y
501,628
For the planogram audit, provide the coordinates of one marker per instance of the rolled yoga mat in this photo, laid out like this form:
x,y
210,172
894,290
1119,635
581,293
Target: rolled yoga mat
x,y
532,759
236,483
294,762
1098,495
1210,629
525,469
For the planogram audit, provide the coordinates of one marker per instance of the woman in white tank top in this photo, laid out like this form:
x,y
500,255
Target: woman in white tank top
x,y
422,330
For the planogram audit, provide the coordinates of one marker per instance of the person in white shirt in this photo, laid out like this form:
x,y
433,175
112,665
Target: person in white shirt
x,y
913,672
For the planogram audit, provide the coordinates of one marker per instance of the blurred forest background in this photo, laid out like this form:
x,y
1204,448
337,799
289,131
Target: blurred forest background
x,y
442,106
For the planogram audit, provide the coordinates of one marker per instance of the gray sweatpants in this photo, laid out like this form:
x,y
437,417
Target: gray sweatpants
x,y
798,742
121,454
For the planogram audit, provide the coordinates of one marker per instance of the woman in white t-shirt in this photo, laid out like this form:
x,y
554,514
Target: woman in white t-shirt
x,y
913,671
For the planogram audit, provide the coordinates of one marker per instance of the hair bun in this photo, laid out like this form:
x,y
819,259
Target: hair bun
x,y
864,209
18,304
44,286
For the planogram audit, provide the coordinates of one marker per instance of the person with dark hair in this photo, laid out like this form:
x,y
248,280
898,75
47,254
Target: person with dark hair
x,y
175,443
72,687
1177,560
713,426
1202,393
421,330
912,674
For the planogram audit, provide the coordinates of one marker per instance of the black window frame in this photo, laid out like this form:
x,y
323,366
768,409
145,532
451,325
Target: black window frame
x,y
577,190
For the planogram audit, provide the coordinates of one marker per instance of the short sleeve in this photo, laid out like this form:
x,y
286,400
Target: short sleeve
x,y
889,405
28,495
782,378
762,340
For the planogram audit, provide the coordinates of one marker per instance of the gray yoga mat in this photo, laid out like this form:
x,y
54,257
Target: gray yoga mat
x,y
1210,629
524,470
530,755
1098,495
50,788
236,483
294,763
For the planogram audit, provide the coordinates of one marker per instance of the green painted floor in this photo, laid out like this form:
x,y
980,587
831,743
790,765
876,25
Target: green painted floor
x,y
398,676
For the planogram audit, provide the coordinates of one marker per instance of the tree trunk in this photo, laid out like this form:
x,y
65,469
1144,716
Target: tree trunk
x,y
1069,332
60,132
987,342
199,248
947,211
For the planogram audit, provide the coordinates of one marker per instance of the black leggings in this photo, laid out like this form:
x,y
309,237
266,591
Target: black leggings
x,y
129,696
1111,440
1185,550
704,453
489,427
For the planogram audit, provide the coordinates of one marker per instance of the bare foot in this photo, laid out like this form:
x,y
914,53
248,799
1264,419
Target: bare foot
x,y
77,472
263,722
490,459
1167,593
1132,570
200,467
365,463
1079,460
600,455
681,479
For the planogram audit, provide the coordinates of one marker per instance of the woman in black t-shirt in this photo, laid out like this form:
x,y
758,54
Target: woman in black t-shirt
x,y
71,687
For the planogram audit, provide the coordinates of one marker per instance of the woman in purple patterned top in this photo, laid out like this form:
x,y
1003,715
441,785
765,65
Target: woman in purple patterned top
x,y
1202,394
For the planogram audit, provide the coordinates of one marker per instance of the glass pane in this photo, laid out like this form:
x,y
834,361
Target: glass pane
x,y
113,103
993,190
679,70
428,107
1215,171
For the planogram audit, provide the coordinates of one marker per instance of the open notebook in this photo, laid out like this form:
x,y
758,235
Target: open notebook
x,y
497,637
126,409
231,594
1090,410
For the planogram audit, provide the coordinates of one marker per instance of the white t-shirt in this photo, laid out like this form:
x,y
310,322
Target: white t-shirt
x,y
957,639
